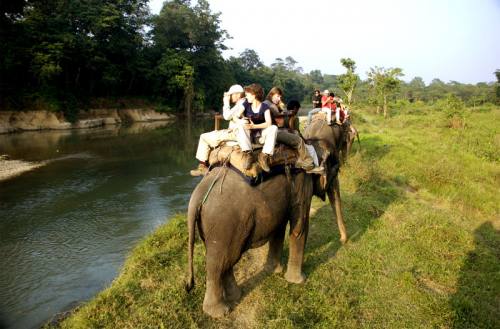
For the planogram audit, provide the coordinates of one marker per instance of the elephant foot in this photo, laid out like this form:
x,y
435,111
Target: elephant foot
x,y
216,310
233,293
274,268
295,277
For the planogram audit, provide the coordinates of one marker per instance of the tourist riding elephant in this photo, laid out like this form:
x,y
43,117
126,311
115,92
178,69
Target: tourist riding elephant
x,y
233,216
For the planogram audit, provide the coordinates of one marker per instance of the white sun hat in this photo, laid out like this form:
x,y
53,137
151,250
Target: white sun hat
x,y
235,89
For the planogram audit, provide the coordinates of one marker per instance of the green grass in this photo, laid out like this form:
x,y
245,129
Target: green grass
x,y
421,204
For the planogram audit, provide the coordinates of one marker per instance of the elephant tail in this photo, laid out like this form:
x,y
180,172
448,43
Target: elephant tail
x,y
192,218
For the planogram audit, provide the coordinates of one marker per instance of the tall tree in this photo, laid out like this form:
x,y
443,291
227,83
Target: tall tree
x,y
348,81
250,60
385,82
497,87
416,89
316,78
193,37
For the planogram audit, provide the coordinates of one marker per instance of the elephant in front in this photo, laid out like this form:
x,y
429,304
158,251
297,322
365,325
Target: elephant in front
x,y
233,216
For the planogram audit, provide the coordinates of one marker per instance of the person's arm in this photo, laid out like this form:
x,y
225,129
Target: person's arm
x,y
324,102
233,112
226,110
268,123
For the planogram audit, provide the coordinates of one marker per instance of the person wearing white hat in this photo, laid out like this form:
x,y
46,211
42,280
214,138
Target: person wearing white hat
x,y
212,139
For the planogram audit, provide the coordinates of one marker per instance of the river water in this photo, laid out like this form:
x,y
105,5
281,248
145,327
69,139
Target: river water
x,y
66,228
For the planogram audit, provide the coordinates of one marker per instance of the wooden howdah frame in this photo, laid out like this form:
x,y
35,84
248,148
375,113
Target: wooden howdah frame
x,y
279,118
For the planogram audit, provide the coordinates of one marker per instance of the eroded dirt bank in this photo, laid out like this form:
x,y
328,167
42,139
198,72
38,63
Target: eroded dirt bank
x,y
12,121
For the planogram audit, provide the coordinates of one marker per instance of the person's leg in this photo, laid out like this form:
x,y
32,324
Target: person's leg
x,y
304,160
243,138
209,141
310,114
244,141
328,112
268,139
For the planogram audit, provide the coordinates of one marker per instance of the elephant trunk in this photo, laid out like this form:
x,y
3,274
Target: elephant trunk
x,y
192,217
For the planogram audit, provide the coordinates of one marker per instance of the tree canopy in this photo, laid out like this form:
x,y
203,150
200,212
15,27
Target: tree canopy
x,y
65,53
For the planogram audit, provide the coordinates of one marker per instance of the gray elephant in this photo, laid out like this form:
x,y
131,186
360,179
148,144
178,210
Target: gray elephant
x,y
332,139
233,216
350,134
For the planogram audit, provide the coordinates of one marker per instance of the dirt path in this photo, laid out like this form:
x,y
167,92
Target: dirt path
x,y
249,272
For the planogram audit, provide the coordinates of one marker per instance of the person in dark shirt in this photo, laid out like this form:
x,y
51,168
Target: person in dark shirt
x,y
259,128
316,100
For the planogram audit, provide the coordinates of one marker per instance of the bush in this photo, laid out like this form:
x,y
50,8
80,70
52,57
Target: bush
x,y
454,110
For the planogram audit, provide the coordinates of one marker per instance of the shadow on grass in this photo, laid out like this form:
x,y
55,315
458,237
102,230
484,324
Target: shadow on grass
x,y
373,194
477,301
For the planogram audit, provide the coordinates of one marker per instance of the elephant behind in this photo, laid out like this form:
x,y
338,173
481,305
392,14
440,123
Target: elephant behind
x,y
333,140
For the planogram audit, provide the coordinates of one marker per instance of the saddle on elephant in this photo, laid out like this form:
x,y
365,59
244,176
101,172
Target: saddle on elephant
x,y
229,153
319,116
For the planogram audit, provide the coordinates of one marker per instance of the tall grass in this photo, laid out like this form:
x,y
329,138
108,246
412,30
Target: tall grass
x,y
421,203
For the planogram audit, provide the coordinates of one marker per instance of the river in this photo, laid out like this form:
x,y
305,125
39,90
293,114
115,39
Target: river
x,y
66,228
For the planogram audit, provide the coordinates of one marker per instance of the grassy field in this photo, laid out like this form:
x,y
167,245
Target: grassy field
x,y
421,202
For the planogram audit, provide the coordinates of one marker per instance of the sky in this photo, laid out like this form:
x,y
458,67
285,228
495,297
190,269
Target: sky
x,y
453,40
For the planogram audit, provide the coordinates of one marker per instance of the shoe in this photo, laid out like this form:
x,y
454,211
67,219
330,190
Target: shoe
x,y
202,170
316,170
247,160
264,161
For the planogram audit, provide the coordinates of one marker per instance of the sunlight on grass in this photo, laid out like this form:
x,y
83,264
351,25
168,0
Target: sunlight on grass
x,y
421,204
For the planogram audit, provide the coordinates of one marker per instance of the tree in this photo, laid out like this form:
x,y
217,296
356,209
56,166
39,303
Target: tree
x,y
497,87
416,89
193,35
348,81
316,78
250,60
384,82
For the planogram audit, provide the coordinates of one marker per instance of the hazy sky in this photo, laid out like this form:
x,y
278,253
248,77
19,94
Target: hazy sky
x,y
446,39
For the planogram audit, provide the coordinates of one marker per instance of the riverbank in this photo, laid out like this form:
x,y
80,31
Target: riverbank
x,y
424,233
15,121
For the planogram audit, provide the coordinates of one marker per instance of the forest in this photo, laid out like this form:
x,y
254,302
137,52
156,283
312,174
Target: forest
x,y
71,55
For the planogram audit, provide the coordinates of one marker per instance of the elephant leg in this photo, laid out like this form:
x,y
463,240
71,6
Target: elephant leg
x,y
231,290
273,263
214,304
335,202
297,244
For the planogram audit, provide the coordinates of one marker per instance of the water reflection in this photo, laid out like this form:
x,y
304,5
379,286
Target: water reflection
x,y
65,229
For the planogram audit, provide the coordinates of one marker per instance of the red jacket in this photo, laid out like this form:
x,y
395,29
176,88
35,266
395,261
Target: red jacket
x,y
330,104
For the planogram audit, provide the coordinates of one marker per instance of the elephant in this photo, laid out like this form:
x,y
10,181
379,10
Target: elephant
x,y
332,137
351,134
232,216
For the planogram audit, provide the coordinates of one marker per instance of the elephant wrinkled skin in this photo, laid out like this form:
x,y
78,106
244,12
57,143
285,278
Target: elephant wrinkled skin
x,y
236,217
233,216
